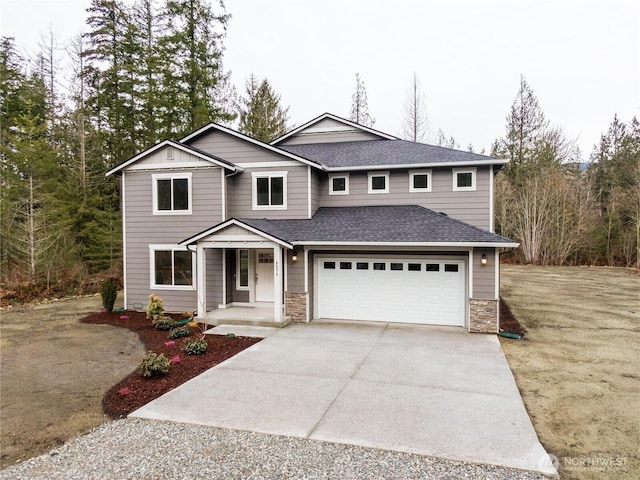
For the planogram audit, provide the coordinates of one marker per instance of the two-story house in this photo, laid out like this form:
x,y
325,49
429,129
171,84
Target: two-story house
x,y
333,220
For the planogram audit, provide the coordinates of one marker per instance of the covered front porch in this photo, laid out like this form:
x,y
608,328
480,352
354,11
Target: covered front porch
x,y
240,276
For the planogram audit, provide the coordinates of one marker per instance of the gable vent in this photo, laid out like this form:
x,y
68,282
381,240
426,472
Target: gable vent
x,y
169,153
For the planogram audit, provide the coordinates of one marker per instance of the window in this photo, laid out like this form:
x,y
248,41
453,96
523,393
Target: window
x,y
172,267
269,190
420,180
464,179
242,275
450,267
338,184
396,266
345,265
433,267
379,182
171,193
414,267
362,265
379,266
330,265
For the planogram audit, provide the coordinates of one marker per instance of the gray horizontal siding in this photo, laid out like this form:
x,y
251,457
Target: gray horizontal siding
x,y
315,190
484,280
471,207
142,228
295,273
213,278
234,149
241,200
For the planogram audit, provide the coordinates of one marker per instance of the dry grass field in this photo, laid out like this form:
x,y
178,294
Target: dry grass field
x,y
578,369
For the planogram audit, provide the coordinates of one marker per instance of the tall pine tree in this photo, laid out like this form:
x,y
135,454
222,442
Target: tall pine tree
x,y
262,115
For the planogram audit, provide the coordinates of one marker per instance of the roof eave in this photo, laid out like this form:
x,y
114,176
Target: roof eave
x,y
416,165
312,243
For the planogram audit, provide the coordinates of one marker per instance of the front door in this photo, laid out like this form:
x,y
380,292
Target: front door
x,y
264,275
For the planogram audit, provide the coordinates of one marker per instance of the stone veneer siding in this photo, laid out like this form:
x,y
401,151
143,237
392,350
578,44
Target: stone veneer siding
x,y
483,316
295,306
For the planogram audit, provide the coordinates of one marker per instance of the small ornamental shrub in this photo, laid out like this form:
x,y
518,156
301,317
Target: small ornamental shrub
x,y
109,292
155,307
154,364
164,322
195,347
180,332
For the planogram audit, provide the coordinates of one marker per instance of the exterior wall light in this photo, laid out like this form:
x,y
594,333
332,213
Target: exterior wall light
x,y
483,260
294,256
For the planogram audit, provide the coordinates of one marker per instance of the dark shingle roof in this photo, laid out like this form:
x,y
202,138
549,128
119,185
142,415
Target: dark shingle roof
x,y
399,223
382,152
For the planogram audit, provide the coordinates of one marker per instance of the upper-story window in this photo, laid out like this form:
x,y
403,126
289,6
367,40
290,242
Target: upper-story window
x,y
378,182
269,190
171,193
419,180
464,179
339,184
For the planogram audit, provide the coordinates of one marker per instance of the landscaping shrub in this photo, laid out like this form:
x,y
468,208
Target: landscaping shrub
x,y
180,332
155,308
109,292
195,346
164,322
154,364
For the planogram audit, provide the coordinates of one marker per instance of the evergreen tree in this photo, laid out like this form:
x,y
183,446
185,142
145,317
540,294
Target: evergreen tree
x,y
360,106
262,116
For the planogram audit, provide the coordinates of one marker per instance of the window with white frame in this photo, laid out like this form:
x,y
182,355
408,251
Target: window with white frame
x,y
242,269
171,193
339,184
464,179
378,182
419,180
172,267
269,190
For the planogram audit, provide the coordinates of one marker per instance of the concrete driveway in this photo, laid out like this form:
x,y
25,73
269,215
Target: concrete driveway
x,y
417,389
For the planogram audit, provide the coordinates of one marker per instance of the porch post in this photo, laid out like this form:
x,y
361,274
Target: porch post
x,y
277,283
201,287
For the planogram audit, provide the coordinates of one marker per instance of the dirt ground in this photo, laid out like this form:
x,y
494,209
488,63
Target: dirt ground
x,y
54,372
579,369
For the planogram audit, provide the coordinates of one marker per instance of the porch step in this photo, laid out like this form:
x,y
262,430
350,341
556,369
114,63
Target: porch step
x,y
249,322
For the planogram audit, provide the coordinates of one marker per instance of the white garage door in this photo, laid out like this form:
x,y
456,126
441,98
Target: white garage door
x,y
426,291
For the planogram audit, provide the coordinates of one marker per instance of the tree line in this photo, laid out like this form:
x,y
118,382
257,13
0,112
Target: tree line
x,y
153,69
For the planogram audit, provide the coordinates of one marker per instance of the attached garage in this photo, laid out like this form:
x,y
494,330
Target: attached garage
x,y
421,290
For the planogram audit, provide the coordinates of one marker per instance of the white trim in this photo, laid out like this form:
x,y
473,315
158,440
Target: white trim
x,y
492,227
223,190
474,179
470,270
370,176
238,286
153,247
228,223
171,176
224,277
173,144
254,189
492,161
277,283
201,290
413,244
241,136
344,121
168,166
309,192
281,164
413,173
306,282
333,176
124,239
496,261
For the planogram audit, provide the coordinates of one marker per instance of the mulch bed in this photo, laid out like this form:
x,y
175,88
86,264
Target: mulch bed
x,y
509,323
134,391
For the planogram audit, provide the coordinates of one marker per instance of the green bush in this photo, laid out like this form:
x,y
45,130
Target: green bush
x,y
155,308
154,364
109,292
195,347
180,332
164,322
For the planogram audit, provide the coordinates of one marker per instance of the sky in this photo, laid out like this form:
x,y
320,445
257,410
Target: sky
x,y
581,58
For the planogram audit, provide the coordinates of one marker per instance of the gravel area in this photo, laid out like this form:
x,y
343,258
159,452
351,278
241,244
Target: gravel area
x,y
145,449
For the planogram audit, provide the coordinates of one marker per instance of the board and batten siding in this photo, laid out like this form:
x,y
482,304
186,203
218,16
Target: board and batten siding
x,y
468,206
484,279
143,228
328,131
241,200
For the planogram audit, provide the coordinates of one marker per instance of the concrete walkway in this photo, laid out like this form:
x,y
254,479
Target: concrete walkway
x,y
417,389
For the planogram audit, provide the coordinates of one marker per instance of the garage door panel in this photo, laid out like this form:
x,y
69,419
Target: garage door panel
x,y
400,290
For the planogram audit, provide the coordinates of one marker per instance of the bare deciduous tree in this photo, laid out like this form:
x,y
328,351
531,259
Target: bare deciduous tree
x,y
416,122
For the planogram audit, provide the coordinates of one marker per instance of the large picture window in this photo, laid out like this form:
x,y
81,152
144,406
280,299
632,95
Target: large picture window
x,y
172,194
269,190
172,268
